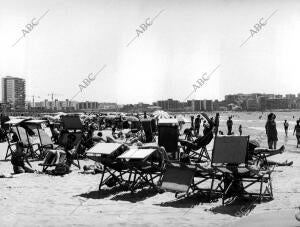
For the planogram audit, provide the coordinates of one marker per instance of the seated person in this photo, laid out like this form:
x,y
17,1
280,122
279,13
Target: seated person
x,y
237,186
113,133
98,138
201,141
255,150
20,161
54,157
62,157
188,132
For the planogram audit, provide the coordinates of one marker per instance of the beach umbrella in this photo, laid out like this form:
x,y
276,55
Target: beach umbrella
x,y
160,114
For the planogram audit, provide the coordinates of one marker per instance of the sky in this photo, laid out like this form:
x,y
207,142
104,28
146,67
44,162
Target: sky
x,y
75,39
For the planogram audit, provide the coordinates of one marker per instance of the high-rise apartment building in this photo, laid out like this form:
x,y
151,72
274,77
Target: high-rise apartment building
x,y
13,92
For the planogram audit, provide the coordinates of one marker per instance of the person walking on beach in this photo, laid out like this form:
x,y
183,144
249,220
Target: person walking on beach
x,y
271,131
297,130
217,122
229,126
240,130
286,127
197,125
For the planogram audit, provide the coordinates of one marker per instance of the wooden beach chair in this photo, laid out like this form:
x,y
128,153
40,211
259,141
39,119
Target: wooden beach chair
x,y
114,170
63,157
31,144
188,179
146,164
76,144
229,157
196,150
11,145
45,140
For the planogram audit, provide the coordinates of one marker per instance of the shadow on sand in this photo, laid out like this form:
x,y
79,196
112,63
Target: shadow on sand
x,y
238,207
136,196
189,202
102,194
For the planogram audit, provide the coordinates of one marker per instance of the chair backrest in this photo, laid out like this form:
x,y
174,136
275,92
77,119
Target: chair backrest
x,y
230,150
45,138
21,133
71,122
168,136
64,139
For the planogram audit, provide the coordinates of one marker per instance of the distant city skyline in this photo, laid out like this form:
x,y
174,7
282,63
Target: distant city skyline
x,y
75,39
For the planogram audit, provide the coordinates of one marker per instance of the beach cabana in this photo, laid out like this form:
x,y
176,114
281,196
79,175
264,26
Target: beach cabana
x,y
17,127
43,133
168,136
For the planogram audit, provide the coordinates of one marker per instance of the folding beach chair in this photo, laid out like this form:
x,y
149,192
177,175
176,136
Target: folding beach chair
x,y
197,150
146,164
76,144
188,179
114,170
11,145
64,157
30,143
9,135
229,157
44,139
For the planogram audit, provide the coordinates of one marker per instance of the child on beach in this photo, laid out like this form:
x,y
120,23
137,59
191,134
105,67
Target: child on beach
x,y
240,130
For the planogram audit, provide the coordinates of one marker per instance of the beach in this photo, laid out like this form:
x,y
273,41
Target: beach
x,y
34,199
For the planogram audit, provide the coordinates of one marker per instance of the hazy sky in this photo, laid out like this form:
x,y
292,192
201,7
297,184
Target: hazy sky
x,y
188,38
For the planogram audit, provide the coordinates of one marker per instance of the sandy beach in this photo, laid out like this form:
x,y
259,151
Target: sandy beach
x,y
74,200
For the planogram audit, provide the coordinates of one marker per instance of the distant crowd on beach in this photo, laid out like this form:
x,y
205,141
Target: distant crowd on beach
x,y
270,128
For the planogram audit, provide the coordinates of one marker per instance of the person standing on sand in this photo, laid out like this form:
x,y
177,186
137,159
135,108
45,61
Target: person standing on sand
x,y
197,125
240,130
297,130
286,127
217,122
229,125
271,131
192,121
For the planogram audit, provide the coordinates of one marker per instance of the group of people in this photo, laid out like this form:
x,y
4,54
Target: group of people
x,y
270,128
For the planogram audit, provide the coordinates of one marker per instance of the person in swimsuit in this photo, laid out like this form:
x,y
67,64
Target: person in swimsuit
x,y
297,131
286,127
271,131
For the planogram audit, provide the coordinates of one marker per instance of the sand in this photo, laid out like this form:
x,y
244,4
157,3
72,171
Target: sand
x,y
74,200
